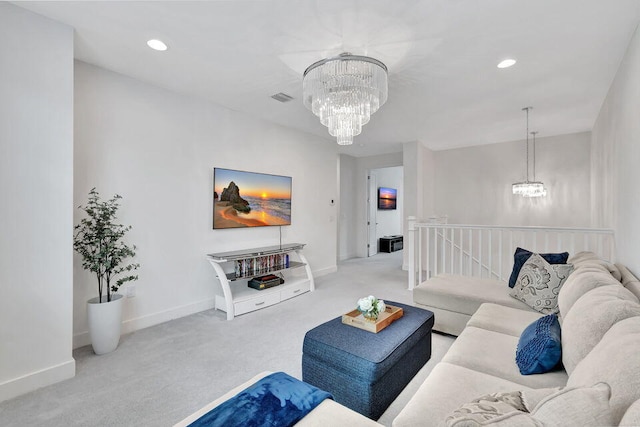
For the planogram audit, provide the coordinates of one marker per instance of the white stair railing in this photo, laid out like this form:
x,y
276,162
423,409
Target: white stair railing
x,y
486,251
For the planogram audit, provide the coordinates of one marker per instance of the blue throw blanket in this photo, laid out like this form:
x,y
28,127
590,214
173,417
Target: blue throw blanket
x,y
276,400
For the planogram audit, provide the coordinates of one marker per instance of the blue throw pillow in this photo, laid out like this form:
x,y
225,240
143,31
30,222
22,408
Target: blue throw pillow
x,y
539,348
522,255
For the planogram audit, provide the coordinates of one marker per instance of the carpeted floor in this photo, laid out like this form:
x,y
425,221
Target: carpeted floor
x,y
159,375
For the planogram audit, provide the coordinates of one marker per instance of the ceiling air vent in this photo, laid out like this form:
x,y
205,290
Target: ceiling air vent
x,y
282,97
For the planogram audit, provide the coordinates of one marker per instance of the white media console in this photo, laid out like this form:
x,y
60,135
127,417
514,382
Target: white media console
x,y
234,269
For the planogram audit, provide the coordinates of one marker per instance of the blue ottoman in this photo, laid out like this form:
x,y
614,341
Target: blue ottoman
x,y
366,371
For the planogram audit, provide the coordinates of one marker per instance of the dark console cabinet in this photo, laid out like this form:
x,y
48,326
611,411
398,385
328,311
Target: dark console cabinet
x,y
390,243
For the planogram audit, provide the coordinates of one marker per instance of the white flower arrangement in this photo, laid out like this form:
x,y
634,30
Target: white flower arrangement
x,y
371,307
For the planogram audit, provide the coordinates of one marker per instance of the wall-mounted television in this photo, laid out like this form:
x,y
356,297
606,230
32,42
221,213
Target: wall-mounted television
x,y
250,199
387,198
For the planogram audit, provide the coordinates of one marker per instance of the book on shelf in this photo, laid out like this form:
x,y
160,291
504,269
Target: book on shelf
x,y
264,282
262,264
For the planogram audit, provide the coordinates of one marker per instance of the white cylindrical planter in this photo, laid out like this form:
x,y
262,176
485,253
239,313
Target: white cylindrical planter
x,y
105,323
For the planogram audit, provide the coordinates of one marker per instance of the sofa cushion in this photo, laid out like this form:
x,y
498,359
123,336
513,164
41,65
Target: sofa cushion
x,y
632,415
582,406
521,256
539,284
463,294
614,360
494,353
539,348
589,258
629,281
576,406
591,317
506,320
445,389
579,283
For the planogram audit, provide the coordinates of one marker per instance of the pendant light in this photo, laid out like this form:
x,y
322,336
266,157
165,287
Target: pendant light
x,y
529,188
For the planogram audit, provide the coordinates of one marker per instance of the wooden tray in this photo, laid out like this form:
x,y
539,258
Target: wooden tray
x,y
355,318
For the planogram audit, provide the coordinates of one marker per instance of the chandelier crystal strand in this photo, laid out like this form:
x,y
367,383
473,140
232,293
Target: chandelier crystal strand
x,y
343,92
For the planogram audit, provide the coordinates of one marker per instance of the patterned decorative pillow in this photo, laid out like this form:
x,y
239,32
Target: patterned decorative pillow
x,y
539,347
569,406
521,256
539,283
487,409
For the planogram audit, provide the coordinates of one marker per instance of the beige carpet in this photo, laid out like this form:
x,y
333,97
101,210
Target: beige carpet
x,y
159,375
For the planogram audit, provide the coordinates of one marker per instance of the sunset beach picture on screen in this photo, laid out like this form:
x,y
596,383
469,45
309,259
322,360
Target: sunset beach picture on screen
x,y
250,199
387,198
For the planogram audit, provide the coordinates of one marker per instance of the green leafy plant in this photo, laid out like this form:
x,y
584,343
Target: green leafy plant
x,y
98,239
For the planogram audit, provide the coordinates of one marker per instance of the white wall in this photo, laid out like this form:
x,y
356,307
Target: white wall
x,y
419,186
36,188
616,147
157,149
389,222
427,183
347,222
473,185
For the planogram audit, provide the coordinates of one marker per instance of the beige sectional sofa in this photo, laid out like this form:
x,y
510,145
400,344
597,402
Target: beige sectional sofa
x,y
600,322
598,385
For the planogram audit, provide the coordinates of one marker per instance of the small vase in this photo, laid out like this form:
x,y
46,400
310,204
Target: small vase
x,y
370,317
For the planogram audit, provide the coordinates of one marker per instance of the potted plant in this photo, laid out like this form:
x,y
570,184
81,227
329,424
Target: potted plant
x,y
98,239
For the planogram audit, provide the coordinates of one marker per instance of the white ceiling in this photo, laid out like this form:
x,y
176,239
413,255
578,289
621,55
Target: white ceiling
x,y
444,87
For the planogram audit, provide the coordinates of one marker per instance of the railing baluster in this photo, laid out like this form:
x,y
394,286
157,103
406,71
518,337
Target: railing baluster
x,y
420,257
452,249
546,242
511,249
470,252
500,256
461,249
490,253
600,247
428,253
435,251
444,251
480,250
411,230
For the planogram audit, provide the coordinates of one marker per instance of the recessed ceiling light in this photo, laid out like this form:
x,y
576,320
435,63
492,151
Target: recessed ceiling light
x,y
156,44
506,63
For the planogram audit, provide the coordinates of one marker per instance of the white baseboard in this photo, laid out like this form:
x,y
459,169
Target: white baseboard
x,y
130,325
82,339
35,380
325,271
348,256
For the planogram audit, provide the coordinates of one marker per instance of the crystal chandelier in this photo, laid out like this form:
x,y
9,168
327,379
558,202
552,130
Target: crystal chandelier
x,y
530,188
344,91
